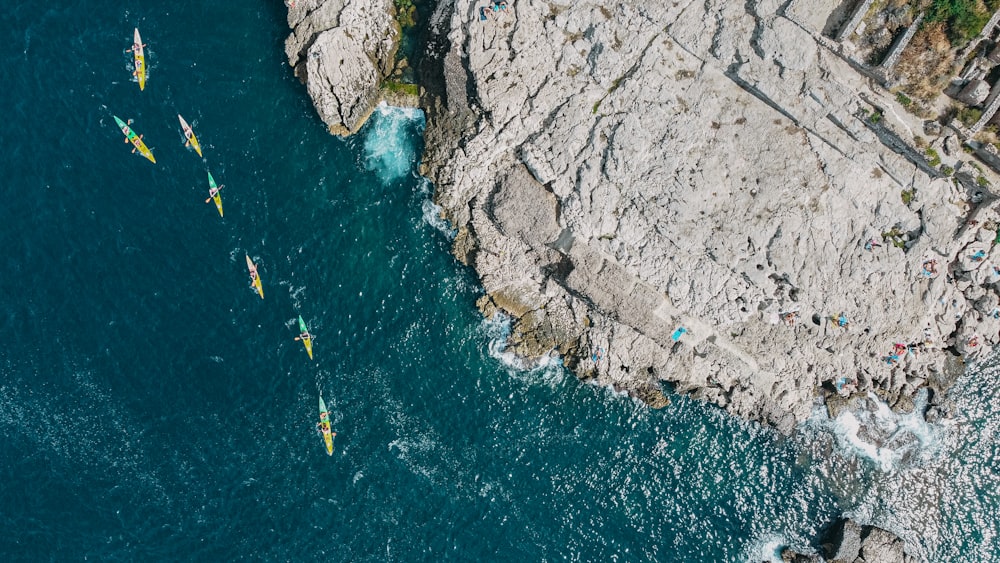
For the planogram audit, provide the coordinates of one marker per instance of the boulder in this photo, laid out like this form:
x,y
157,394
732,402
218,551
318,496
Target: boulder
x,y
881,546
842,541
342,49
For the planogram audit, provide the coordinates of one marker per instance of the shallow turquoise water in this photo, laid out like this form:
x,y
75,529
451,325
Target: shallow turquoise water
x,y
153,407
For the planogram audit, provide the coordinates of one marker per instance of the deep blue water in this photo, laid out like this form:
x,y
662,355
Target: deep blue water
x,y
151,406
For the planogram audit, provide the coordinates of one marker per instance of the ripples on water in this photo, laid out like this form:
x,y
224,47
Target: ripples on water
x,y
174,418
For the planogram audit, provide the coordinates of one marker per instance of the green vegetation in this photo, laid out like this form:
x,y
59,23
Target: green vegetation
x,y
401,87
875,117
969,116
406,13
947,170
895,236
903,99
932,157
908,196
964,18
982,182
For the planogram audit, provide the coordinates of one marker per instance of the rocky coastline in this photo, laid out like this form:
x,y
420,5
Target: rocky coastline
x,y
689,197
696,197
710,198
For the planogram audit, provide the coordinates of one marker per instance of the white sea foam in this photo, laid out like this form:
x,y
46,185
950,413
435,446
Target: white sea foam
x,y
432,216
388,150
432,212
923,482
767,548
547,370
888,439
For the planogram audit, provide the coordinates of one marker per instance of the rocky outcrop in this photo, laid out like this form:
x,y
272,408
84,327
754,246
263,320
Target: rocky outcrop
x,y
341,50
695,193
848,542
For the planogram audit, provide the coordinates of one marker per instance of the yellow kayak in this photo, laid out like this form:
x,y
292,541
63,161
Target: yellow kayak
x,y
305,337
189,135
140,60
213,193
324,426
255,277
136,140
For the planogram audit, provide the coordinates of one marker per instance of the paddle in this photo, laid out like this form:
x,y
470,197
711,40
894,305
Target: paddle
x,y
217,190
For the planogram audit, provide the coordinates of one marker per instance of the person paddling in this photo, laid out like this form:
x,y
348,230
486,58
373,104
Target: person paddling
x,y
212,192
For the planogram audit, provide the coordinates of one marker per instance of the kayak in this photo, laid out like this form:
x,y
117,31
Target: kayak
x,y
324,426
140,60
134,139
307,340
189,135
255,277
215,196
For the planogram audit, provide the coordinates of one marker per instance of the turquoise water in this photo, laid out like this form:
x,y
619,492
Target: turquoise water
x,y
152,406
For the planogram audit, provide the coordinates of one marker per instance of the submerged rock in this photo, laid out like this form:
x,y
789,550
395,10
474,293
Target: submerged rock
x,y
789,556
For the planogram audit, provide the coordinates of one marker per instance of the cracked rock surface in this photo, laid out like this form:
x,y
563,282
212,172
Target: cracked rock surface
x,y
619,171
341,49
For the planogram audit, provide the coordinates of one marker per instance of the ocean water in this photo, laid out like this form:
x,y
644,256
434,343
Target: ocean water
x,y
153,407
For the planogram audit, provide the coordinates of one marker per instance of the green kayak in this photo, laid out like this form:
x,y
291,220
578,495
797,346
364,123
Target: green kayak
x,y
136,140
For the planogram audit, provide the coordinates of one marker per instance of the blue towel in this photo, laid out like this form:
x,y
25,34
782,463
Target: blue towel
x,y
482,14
677,333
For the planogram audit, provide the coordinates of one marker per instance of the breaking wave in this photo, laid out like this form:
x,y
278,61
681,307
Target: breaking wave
x,y
389,150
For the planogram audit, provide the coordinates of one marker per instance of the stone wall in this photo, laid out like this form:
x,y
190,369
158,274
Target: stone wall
x,y
852,23
899,45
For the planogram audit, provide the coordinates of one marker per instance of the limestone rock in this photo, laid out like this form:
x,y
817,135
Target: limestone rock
x,y
884,547
342,49
790,556
618,173
848,542
843,541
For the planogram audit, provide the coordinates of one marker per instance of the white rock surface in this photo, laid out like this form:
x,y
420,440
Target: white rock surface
x,y
621,169
342,49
